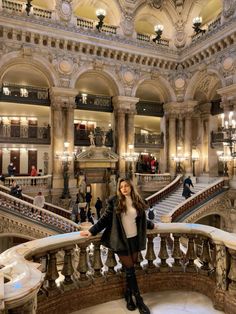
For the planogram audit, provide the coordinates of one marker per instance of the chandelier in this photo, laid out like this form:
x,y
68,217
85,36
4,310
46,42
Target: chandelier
x,y
228,128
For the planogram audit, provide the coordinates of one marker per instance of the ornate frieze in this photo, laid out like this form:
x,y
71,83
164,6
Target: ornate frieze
x,y
16,226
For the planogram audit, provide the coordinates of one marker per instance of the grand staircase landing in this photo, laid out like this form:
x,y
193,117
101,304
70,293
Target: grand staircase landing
x,y
165,302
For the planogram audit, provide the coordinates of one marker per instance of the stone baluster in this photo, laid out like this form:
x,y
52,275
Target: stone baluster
x,y
52,273
232,272
68,269
139,261
150,254
97,266
111,262
191,254
221,276
176,253
163,254
205,255
83,264
29,307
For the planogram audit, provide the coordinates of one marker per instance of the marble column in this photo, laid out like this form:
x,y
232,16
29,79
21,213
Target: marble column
x,y
62,104
188,143
124,110
172,143
121,141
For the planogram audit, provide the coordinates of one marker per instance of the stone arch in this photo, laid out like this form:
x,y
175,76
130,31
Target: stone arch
x,y
199,77
113,85
38,63
163,87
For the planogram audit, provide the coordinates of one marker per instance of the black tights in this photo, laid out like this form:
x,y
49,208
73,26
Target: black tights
x,y
129,260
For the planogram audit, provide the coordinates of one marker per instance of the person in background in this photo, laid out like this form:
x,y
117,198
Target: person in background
x,y
11,169
125,224
188,181
151,214
187,191
39,200
98,206
33,173
88,198
2,178
16,190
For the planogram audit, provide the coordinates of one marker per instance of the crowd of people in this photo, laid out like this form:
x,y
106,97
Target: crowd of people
x,y
147,164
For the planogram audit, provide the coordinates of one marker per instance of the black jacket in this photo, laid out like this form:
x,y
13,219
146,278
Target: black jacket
x,y
114,236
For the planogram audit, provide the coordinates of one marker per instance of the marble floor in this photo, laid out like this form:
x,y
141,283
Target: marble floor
x,y
167,302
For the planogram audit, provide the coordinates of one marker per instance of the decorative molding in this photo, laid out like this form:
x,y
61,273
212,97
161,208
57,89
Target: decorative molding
x,y
16,226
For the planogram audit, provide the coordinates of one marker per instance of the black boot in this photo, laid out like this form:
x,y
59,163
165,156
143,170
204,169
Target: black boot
x,y
133,285
130,303
143,309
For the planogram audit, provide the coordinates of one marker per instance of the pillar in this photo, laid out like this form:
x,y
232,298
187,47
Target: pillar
x,y
188,143
124,109
62,104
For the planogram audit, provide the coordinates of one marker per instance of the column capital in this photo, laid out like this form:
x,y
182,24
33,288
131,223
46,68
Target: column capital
x,y
228,91
62,97
125,104
179,108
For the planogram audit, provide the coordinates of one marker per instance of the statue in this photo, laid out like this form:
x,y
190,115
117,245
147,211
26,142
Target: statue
x,y
104,136
91,138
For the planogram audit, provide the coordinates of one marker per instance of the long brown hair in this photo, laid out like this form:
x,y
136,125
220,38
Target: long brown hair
x,y
137,201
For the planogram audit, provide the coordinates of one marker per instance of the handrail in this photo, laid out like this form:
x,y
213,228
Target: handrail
x,y
27,180
48,206
36,214
195,199
154,198
20,271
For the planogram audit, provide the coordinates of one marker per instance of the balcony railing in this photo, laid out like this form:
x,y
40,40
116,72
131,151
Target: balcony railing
x,y
24,94
178,256
40,185
36,214
149,140
152,182
81,137
24,134
150,108
145,37
217,138
94,102
195,201
163,193
209,28
90,24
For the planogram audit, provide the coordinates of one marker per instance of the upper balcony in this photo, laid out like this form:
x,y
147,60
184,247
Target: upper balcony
x,y
126,32
24,134
24,94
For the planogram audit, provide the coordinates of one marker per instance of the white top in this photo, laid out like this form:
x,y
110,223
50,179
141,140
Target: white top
x,y
129,219
39,201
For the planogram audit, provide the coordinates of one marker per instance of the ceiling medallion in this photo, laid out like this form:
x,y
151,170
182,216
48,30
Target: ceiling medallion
x,y
157,4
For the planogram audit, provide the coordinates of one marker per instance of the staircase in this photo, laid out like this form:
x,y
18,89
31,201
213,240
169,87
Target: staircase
x,y
167,204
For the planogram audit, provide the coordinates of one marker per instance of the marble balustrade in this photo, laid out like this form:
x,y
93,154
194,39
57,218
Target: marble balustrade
x,y
62,270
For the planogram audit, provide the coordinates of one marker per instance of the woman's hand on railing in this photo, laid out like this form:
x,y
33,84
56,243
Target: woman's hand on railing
x,y
85,233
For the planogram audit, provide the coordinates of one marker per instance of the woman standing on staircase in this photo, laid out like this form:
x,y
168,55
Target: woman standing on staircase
x,y
125,224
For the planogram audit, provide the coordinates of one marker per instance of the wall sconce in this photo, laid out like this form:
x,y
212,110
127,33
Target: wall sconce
x,y
28,6
158,30
197,22
100,15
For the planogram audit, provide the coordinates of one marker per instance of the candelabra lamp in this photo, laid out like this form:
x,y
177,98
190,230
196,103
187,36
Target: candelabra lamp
x,y
197,22
229,133
225,159
158,30
178,160
66,159
101,16
130,157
